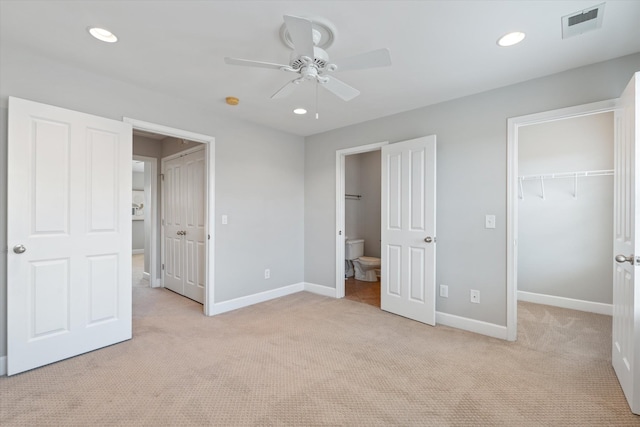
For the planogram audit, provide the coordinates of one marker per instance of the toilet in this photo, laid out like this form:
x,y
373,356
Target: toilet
x,y
365,268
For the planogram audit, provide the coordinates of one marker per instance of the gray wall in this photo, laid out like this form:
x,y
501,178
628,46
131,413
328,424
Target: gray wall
x,y
171,145
137,180
565,243
471,178
352,209
363,216
259,171
137,235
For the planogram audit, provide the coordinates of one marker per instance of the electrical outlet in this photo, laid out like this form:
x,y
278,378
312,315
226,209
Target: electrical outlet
x,y
444,291
267,274
475,296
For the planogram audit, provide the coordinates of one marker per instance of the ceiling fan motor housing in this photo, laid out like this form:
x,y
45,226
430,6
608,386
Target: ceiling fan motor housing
x,y
320,59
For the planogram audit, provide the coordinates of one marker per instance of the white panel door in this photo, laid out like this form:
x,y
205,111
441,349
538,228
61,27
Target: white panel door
x,y
626,246
194,225
408,229
68,233
184,222
172,220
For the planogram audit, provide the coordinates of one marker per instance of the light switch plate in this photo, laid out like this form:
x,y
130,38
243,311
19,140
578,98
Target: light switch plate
x,y
490,221
225,220
444,291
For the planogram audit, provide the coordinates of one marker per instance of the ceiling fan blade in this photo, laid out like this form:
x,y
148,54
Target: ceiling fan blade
x,y
301,32
340,89
250,63
285,90
373,59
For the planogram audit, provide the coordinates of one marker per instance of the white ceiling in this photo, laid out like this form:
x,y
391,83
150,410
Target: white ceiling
x,y
440,50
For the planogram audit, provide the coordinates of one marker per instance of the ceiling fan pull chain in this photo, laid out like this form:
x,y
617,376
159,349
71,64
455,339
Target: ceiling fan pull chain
x,y
317,115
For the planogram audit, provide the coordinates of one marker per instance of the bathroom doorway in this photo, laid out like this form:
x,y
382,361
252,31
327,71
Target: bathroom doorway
x,y
358,217
362,226
408,190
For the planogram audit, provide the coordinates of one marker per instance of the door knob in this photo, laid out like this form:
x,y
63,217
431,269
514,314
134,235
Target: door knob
x,y
19,249
429,239
622,258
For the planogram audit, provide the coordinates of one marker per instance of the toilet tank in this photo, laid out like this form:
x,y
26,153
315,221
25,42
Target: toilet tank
x,y
354,249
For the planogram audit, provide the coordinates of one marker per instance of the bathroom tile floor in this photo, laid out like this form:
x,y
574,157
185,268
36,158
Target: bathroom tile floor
x,y
365,292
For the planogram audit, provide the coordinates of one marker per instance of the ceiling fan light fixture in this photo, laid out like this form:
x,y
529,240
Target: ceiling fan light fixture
x,y
299,111
232,100
511,39
102,34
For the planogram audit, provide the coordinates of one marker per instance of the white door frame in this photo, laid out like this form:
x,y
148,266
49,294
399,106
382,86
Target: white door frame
x,y
151,215
513,126
340,209
209,142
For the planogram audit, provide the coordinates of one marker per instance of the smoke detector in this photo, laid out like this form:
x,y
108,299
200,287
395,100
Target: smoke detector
x,y
582,21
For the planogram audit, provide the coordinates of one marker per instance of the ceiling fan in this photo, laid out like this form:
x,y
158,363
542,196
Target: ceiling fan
x,y
311,62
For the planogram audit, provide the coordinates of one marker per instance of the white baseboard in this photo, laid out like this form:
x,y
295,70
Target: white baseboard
x,y
3,365
573,304
320,289
477,326
234,304
137,251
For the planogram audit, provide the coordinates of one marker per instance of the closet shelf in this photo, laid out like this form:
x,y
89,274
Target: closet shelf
x,y
580,174
561,175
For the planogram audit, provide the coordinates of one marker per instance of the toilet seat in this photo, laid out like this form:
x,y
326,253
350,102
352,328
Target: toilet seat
x,y
369,261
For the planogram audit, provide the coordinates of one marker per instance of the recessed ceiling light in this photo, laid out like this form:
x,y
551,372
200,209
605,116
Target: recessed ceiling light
x,y
511,38
103,34
300,111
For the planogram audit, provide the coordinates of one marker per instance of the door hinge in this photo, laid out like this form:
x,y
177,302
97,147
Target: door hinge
x,y
163,266
208,236
162,176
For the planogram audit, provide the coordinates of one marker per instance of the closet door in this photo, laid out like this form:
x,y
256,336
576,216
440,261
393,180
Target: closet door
x,y
184,224
172,222
194,212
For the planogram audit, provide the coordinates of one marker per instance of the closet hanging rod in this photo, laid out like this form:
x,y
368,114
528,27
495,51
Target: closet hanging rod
x,y
353,196
561,175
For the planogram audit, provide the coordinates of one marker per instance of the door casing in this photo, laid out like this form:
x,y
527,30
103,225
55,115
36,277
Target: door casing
x,y
209,141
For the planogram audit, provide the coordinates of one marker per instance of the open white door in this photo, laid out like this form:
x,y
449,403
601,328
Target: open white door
x,y
408,229
69,234
626,247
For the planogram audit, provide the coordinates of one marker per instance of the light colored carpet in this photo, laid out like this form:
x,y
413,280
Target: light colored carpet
x,y
308,360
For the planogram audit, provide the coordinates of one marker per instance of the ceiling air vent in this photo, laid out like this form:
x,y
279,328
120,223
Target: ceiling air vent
x,y
582,21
